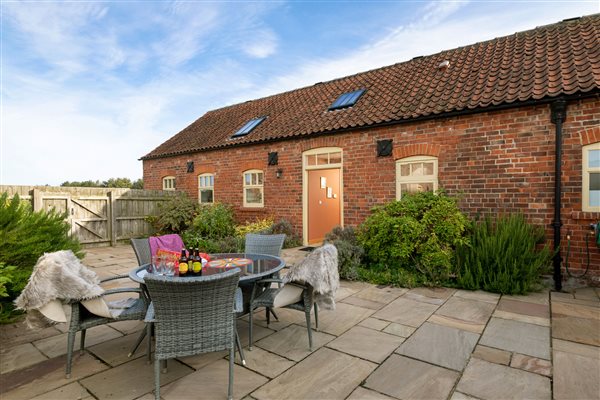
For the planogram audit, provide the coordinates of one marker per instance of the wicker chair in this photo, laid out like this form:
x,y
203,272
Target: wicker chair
x,y
141,247
82,319
263,295
264,244
192,316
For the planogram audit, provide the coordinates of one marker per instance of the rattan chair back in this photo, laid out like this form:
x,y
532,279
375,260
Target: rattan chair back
x,y
193,315
141,247
264,244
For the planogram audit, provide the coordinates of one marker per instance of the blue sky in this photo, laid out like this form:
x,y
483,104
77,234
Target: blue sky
x,y
88,87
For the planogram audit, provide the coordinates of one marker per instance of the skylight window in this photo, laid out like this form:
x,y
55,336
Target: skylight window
x,y
347,99
248,127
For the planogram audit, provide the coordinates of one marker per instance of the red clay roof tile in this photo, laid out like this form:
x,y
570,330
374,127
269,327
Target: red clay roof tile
x,y
562,58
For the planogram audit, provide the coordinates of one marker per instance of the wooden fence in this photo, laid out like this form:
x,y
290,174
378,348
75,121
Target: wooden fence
x,y
97,216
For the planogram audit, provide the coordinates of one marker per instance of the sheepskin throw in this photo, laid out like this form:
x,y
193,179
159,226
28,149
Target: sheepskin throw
x,y
58,275
320,270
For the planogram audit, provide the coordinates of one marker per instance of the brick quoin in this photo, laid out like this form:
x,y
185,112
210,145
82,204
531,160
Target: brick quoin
x,y
496,162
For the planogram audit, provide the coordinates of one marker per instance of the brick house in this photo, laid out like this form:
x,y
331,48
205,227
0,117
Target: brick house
x,y
494,122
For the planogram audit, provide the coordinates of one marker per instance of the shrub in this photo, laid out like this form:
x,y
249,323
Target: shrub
x,y
285,227
174,215
258,226
419,233
350,252
26,235
503,256
230,244
214,221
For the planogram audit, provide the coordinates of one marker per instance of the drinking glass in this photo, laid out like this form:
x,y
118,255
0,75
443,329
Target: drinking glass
x,y
169,268
158,265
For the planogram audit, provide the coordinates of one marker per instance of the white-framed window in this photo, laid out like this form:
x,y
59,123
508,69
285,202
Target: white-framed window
x,y
169,183
253,188
591,178
206,188
416,174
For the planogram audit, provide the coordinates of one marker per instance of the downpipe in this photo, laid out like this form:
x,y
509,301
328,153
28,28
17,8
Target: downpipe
x,y
558,114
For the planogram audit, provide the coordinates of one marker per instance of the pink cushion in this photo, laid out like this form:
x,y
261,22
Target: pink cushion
x,y
171,242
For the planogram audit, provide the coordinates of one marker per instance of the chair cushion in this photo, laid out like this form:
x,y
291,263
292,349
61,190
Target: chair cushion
x,y
112,309
97,306
53,310
288,294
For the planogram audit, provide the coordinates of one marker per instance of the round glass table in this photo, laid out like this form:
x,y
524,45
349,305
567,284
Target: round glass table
x,y
259,266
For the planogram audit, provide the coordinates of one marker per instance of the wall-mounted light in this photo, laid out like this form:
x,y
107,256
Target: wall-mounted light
x,y
279,173
190,166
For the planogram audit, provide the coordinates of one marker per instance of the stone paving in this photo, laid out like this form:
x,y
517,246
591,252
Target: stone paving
x,y
380,343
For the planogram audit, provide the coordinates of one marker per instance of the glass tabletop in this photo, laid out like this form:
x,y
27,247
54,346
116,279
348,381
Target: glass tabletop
x,y
253,266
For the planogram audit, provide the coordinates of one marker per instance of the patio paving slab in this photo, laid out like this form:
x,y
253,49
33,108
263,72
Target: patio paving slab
x,y
541,297
577,311
72,391
57,345
522,318
581,330
202,360
399,330
114,352
131,380
405,378
532,364
406,311
576,348
374,323
462,396
486,380
588,293
440,345
265,363
366,343
470,315
18,333
360,302
478,295
17,357
344,317
576,376
360,393
325,374
292,342
437,296
211,383
128,327
47,376
533,340
492,355
378,294
525,308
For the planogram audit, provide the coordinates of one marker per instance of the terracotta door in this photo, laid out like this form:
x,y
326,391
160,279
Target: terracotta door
x,y
323,203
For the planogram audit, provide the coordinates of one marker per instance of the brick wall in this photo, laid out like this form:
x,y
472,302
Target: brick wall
x,y
498,162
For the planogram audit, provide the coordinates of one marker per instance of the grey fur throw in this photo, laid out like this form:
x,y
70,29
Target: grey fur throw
x,y
58,275
320,270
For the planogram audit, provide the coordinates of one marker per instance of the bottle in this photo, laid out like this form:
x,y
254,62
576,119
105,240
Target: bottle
x,y
197,263
183,264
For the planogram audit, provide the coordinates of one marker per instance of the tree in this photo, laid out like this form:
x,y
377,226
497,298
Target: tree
x,y
110,183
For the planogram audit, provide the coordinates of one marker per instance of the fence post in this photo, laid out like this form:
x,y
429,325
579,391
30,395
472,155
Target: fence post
x,y
112,201
36,199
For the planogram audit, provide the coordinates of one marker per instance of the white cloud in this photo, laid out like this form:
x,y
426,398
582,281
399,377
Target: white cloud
x,y
55,128
261,44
